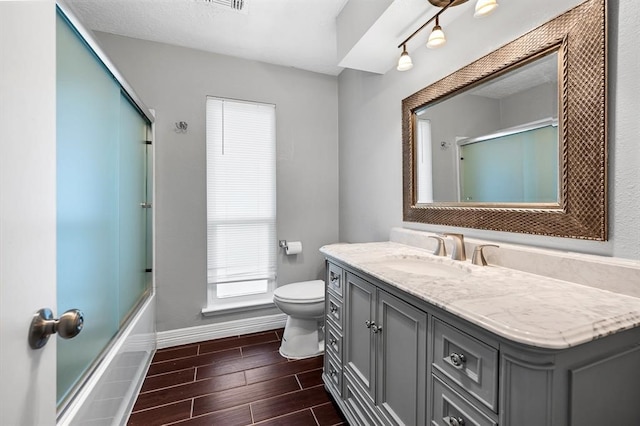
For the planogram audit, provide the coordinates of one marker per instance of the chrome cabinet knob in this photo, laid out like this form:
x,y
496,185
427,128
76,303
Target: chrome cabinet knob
x,y
334,278
454,421
333,308
369,323
376,329
457,360
43,325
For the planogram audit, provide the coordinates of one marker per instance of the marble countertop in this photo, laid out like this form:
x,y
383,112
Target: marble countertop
x,y
522,307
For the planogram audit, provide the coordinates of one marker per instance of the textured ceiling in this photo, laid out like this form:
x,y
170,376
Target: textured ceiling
x,y
296,33
302,33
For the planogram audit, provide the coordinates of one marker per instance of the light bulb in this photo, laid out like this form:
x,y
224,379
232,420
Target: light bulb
x,y
436,38
485,7
404,63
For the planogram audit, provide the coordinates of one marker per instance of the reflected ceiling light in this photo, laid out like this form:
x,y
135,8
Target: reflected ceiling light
x,y
404,63
437,37
485,8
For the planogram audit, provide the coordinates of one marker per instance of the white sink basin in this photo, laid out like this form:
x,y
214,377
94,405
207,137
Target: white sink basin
x,y
425,267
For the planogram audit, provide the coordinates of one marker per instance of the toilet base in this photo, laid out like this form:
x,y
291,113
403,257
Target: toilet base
x,y
302,338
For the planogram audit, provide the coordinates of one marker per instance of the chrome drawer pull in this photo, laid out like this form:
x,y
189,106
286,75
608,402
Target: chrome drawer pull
x,y
333,308
454,421
333,373
457,360
334,278
333,342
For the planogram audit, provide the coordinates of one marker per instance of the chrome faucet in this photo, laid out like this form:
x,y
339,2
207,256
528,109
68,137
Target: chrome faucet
x,y
458,252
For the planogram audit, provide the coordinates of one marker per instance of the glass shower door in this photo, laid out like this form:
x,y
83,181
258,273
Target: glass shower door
x,y
101,224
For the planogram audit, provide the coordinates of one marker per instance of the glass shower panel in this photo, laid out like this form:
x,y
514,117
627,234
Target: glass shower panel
x,y
132,207
88,111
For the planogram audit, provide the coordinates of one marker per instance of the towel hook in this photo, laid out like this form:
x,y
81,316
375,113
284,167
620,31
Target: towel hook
x,y
181,127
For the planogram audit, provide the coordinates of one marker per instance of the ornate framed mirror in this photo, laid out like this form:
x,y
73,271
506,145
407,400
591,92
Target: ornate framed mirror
x,y
517,140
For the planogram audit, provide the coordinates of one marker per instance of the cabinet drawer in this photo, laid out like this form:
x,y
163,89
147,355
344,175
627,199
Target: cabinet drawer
x,y
333,310
468,362
333,373
334,279
333,341
451,409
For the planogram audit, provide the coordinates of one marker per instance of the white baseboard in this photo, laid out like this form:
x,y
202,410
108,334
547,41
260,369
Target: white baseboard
x,y
184,336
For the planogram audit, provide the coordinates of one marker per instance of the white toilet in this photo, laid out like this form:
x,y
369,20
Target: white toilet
x,y
303,302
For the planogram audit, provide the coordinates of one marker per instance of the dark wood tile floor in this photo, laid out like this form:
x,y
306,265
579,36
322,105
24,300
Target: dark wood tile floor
x,y
234,381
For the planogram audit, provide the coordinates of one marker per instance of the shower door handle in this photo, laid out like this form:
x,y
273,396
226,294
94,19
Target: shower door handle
x,y
43,325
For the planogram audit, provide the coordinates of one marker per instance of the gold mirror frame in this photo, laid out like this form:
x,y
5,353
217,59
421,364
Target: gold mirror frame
x,y
580,37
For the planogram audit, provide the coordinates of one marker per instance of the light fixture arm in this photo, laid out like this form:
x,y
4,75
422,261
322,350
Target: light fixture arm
x,y
437,15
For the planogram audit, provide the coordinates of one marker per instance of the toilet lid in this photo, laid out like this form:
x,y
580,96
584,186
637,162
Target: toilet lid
x,y
305,291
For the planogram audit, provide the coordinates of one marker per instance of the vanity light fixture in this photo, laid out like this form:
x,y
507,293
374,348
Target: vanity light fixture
x,y
404,63
437,38
485,7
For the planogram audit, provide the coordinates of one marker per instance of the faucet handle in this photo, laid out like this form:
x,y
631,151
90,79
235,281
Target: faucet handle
x,y
478,256
440,250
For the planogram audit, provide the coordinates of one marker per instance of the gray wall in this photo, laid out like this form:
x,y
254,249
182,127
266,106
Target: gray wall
x,y
175,81
371,143
537,103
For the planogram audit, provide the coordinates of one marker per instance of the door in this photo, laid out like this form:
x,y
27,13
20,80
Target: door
x,y
360,342
402,361
27,208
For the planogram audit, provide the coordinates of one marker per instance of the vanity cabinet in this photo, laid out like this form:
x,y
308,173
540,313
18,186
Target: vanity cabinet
x,y
395,359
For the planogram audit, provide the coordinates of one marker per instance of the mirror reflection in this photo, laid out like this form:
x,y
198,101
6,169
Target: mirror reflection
x,y
497,142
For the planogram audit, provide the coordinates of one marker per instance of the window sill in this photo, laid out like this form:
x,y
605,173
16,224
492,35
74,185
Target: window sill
x,y
233,307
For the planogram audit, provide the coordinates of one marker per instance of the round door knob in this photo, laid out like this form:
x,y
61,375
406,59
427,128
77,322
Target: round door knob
x,y
70,324
457,359
43,325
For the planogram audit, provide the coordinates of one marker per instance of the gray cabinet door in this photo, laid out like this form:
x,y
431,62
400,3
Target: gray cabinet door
x,y
359,350
402,360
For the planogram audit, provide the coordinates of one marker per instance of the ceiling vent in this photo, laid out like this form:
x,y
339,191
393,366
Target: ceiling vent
x,y
237,5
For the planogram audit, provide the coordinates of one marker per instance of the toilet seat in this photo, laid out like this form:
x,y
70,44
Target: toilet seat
x,y
301,292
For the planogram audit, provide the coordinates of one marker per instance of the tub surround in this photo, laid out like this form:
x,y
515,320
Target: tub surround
x,y
520,306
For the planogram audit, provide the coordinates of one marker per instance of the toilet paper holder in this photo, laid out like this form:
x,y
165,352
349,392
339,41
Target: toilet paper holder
x,y
291,247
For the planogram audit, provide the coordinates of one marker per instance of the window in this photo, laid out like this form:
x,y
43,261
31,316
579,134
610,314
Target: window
x,y
241,204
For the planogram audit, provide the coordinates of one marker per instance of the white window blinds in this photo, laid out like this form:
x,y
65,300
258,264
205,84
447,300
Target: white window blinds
x,y
241,196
